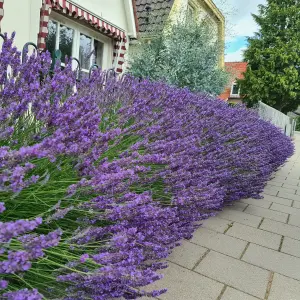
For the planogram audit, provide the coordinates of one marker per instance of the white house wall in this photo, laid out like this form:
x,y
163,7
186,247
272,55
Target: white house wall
x,y
23,17
111,10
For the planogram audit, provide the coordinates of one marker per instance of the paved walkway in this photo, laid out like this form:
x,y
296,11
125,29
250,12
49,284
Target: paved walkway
x,y
250,251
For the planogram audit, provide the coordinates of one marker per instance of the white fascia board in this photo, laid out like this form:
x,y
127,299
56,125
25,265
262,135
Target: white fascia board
x,y
130,18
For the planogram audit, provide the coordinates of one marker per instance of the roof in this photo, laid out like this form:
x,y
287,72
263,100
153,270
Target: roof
x,y
236,69
152,13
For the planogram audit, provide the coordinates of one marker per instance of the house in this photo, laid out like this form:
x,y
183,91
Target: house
x,y
93,31
154,13
232,91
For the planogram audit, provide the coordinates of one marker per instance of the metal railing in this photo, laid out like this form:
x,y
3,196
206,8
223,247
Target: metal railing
x,y
57,55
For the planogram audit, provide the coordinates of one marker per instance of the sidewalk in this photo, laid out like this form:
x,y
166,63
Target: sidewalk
x,y
250,251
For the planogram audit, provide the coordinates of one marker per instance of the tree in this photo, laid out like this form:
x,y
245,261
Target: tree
x,y
273,56
186,55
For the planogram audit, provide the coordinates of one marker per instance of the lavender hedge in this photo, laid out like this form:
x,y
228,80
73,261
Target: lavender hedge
x,y
97,187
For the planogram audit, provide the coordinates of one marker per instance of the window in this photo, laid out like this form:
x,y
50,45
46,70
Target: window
x,y
75,41
235,91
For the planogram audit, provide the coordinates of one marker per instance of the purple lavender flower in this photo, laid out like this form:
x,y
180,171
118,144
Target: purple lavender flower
x,y
3,284
24,294
2,207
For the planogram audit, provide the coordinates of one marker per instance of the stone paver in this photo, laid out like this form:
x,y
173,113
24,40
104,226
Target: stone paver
x,y
294,220
184,284
266,213
281,228
240,217
236,273
291,246
254,235
289,196
274,183
284,288
240,206
257,202
271,192
219,242
296,204
216,224
189,261
292,182
283,201
273,260
290,185
285,209
233,294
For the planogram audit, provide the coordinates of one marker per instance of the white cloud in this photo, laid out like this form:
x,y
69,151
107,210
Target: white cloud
x,y
238,16
235,56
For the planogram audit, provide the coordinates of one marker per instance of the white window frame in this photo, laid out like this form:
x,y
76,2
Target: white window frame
x,y
107,56
231,91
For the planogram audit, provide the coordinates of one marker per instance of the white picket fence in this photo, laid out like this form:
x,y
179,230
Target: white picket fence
x,y
268,113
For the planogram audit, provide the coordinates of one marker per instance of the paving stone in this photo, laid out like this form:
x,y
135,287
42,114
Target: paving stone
x,y
216,224
232,294
281,189
291,246
240,217
240,206
293,186
293,175
234,272
219,242
294,220
273,260
289,196
278,180
281,228
284,288
266,213
270,192
282,173
292,181
257,202
285,209
255,235
184,284
283,201
274,183
187,254
296,204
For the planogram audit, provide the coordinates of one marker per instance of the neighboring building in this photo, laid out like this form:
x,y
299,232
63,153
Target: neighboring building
x,y
93,31
232,91
154,13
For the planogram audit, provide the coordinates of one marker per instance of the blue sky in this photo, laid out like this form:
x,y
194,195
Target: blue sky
x,y
240,24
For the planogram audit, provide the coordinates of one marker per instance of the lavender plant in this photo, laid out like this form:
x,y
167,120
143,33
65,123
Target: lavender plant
x,y
97,187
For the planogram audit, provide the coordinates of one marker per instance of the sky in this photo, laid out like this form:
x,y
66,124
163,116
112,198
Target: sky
x,y
240,24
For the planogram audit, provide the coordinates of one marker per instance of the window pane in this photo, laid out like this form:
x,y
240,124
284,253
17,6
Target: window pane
x,y
98,53
65,41
51,37
235,89
85,51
